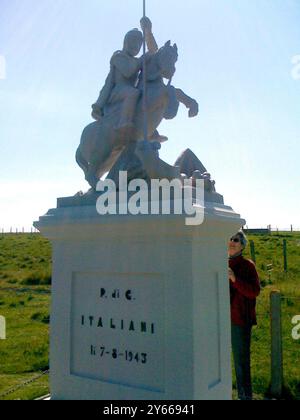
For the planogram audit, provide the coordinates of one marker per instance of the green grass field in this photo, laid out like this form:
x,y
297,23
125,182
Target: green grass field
x,y
25,267
25,277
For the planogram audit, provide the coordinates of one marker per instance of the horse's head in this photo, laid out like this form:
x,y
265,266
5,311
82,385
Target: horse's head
x,y
167,56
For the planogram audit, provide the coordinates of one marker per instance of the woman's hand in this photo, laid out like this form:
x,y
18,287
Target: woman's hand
x,y
232,277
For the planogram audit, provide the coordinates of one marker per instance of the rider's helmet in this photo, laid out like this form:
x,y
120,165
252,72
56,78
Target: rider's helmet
x,y
133,42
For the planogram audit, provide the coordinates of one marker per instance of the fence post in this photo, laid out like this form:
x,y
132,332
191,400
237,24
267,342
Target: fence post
x,y
285,255
276,346
252,248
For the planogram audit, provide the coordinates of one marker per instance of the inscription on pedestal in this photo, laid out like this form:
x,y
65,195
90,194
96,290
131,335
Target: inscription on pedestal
x,y
117,329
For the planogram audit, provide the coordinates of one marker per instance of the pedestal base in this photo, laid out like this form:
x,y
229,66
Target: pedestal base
x,y
140,305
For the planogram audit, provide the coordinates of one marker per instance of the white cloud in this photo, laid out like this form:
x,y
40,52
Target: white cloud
x,y
296,67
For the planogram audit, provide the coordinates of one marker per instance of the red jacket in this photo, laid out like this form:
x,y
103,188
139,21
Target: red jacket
x,y
243,292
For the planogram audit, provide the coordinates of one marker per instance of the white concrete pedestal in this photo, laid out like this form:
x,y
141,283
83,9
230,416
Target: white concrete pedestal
x,y
140,305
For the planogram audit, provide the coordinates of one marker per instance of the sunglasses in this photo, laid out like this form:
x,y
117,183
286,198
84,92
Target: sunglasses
x,y
235,240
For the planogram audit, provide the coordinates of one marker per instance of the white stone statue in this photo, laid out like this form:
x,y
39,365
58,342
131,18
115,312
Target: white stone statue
x,y
119,110
121,83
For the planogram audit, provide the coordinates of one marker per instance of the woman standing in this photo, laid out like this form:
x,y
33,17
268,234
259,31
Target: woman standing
x,y
244,289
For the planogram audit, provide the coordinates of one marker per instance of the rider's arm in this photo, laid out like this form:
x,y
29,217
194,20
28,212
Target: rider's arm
x,y
146,25
151,43
127,66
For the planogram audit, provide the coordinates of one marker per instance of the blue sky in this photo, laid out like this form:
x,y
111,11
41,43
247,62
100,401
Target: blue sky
x,y
235,58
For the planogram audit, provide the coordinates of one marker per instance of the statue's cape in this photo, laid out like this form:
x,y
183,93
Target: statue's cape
x,y
107,89
109,84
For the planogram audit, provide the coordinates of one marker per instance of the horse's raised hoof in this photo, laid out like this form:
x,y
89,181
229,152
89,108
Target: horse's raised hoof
x,y
158,137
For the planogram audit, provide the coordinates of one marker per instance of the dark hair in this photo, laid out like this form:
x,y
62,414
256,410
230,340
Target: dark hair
x,y
243,238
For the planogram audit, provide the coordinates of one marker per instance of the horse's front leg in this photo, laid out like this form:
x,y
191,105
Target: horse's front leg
x,y
91,176
189,102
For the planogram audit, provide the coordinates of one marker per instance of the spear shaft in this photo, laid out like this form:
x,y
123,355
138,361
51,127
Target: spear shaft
x,y
145,79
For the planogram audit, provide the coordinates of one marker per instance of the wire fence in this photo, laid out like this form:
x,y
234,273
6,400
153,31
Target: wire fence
x,y
23,385
285,229
267,230
18,230
250,229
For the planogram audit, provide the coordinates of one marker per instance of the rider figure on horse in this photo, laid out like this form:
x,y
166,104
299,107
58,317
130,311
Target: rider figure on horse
x,y
121,83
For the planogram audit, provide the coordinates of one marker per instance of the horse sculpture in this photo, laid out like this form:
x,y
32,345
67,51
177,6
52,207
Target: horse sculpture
x,y
101,144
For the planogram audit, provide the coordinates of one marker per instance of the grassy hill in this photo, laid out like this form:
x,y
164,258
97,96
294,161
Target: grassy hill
x,y
25,277
25,267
